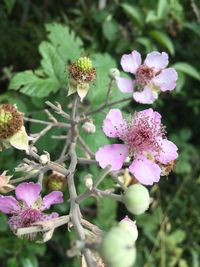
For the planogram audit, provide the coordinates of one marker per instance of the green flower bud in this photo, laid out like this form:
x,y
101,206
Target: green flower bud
x,y
136,199
113,73
89,127
130,226
84,63
117,248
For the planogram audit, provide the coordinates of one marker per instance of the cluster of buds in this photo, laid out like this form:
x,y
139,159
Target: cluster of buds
x,y
81,74
12,131
118,245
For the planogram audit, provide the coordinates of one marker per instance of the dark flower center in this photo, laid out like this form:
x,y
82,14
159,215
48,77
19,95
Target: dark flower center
x,y
143,75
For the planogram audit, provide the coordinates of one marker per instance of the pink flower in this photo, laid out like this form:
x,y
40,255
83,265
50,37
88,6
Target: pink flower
x,y
150,77
143,140
28,206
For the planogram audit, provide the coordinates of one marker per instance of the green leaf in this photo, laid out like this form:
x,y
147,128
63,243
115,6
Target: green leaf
x,y
163,39
30,84
162,8
110,30
27,262
9,5
3,223
134,14
151,16
146,43
68,46
52,64
187,69
193,26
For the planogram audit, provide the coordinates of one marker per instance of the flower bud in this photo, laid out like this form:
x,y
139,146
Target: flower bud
x,y
113,73
130,226
44,159
136,199
117,248
88,181
56,181
89,127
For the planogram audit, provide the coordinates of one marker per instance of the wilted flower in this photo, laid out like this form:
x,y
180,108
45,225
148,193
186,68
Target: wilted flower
x,y
144,141
81,74
56,181
28,206
5,187
151,77
12,131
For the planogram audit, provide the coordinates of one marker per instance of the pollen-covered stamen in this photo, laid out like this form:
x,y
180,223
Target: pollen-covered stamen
x,y
143,75
143,134
30,216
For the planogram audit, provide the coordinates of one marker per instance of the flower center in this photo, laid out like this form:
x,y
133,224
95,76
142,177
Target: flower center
x,y
143,134
143,75
30,216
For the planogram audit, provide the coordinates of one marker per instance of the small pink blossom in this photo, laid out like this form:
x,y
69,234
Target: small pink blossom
x,y
151,77
28,206
143,140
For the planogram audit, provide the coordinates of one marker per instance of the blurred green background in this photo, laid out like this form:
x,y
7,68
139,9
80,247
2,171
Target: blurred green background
x,y
42,37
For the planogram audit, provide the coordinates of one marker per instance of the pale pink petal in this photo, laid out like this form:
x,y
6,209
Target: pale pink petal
x,y
166,80
113,155
145,97
152,116
145,171
8,204
168,153
28,192
114,123
157,60
52,198
125,85
130,62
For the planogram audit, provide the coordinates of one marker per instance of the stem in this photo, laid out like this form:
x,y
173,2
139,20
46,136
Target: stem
x,y
108,105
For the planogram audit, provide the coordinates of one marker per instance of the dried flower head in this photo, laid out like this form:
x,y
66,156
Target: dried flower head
x,y
56,181
82,70
11,121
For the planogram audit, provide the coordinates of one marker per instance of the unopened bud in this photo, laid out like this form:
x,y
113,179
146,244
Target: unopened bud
x,y
44,159
89,127
88,181
130,226
113,73
136,199
117,248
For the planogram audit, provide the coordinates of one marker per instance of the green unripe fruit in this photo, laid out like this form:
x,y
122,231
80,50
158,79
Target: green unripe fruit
x,y
136,199
130,226
117,248
5,117
84,63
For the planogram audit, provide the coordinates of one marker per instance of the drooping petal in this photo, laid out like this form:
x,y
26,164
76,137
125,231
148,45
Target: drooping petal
x,y
166,80
157,60
8,204
168,152
145,171
113,155
125,85
145,97
20,139
130,62
28,192
82,90
52,198
114,123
